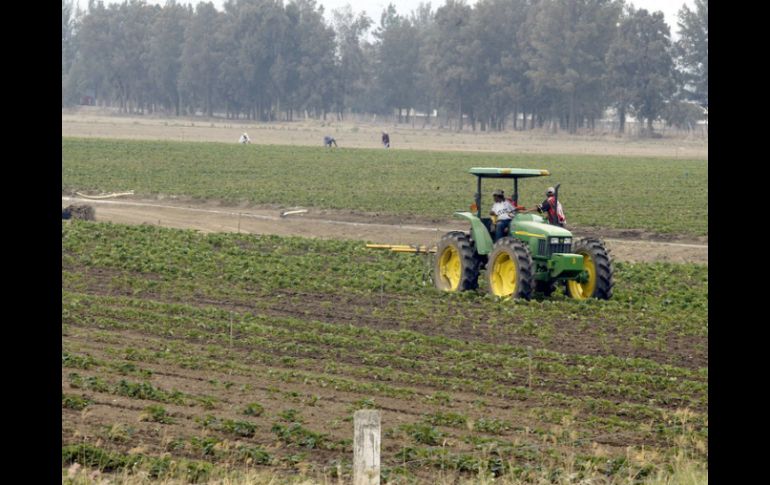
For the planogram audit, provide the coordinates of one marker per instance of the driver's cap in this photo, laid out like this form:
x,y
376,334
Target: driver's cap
x,y
498,192
549,191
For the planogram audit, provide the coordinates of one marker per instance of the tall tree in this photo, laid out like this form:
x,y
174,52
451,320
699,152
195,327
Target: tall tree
x,y
129,29
353,63
452,57
201,59
569,42
165,53
67,26
640,67
693,50
397,63
90,69
497,26
423,20
316,57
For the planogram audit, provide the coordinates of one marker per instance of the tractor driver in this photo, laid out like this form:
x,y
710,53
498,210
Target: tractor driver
x,y
504,211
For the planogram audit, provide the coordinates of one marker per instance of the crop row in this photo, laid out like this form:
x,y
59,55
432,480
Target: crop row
x,y
389,352
337,356
649,296
617,192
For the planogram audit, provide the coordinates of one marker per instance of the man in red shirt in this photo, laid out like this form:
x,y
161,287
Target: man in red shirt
x,y
553,208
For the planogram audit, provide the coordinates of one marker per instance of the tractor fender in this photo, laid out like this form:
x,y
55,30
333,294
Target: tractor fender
x,y
479,232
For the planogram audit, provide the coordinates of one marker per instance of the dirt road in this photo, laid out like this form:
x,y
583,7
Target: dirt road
x,y
211,217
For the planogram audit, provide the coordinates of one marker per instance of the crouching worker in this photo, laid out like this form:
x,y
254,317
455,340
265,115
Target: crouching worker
x,y
244,139
328,141
504,211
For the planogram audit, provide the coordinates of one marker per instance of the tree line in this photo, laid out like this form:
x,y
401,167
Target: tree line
x,y
497,65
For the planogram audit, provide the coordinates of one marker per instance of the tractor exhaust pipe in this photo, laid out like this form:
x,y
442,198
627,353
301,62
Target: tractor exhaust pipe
x,y
556,202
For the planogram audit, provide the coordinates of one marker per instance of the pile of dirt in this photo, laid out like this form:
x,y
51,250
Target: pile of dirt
x,y
79,211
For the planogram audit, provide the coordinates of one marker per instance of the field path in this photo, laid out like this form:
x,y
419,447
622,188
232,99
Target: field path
x,y
208,217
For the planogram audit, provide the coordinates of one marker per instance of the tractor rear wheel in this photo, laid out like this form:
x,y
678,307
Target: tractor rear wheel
x,y
456,266
596,262
510,269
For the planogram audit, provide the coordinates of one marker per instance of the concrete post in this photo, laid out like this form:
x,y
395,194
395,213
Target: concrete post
x,y
366,447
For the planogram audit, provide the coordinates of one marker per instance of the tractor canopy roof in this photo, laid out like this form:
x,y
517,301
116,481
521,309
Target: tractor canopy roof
x,y
508,173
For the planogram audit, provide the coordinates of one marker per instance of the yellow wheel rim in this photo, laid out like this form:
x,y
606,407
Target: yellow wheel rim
x,y
583,291
503,280
450,269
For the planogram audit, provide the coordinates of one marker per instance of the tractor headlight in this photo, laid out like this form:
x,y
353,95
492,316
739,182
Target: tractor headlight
x,y
554,240
567,240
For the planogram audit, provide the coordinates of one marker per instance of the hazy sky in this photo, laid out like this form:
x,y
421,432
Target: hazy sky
x,y
374,8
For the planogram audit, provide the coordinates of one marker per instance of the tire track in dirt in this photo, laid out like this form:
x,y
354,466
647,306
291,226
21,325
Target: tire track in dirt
x,y
321,224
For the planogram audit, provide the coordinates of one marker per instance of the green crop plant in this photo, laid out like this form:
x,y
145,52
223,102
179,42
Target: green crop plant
x,y
78,403
77,361
295,434
156,414
448,360
453,420
253,409
254,455
423,433
290,415
214,171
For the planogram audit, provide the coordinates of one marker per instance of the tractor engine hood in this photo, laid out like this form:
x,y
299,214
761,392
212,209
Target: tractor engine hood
x,y
524,224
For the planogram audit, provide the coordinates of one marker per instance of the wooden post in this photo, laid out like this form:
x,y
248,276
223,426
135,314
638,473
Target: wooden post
x,y
366,447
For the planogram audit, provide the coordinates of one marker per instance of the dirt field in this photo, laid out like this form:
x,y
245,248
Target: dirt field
x,y
201,326
625,245
97,123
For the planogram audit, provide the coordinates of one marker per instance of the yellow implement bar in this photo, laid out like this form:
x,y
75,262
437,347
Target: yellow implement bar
x,y
403,248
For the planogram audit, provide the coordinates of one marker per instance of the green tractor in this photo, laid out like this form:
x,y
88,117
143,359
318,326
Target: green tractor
x,y
534,256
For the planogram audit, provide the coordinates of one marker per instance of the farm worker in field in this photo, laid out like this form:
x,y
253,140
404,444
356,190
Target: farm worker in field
x,y
244,139
385,140
504,211
329,140
553,208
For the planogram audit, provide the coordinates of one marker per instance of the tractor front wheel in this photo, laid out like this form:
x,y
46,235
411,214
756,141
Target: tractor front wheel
x,y
597,264
456,267
510,269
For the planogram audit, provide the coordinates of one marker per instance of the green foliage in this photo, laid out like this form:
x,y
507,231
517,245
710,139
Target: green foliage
x,y
156,414
253,409
255,455
77,403
290,415
692,49
616,368
634,188
296,435
236,427
92,456
78,361
145,390
450,419
423,433
491,425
